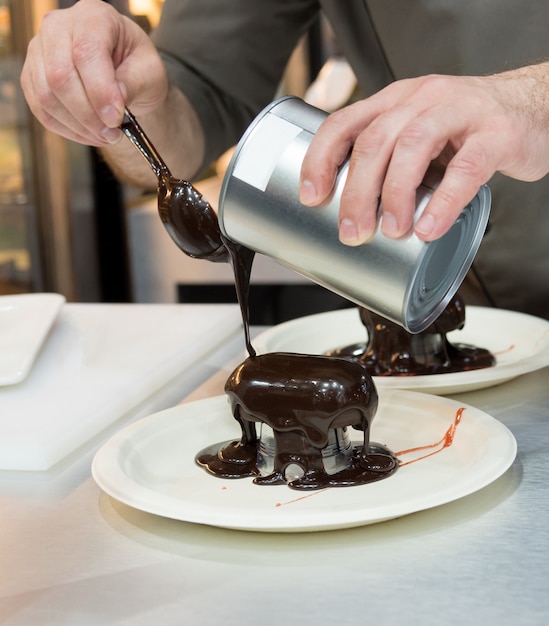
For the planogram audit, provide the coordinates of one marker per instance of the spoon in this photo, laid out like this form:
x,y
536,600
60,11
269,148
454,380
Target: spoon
x,y
192,223
186,214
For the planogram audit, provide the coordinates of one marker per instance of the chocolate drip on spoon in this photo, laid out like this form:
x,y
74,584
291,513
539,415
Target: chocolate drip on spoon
x,y
192,223
186,214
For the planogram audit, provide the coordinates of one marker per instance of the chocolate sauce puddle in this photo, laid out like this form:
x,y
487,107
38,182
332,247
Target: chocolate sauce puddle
x,y
392,351
304,399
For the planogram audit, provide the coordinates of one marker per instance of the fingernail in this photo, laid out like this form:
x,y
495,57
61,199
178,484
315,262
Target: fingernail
x,y
307,192
111,117
389,225
348,232
425,225
112,135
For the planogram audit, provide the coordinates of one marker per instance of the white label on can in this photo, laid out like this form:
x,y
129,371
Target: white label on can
x,y
263,149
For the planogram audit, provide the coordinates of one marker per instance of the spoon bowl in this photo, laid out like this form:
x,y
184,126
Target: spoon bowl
x,y
187,216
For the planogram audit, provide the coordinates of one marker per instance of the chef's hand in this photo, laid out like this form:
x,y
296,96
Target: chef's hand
x,y
472,126
84,65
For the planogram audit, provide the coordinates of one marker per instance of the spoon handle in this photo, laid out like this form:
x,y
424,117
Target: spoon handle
x,y
131,128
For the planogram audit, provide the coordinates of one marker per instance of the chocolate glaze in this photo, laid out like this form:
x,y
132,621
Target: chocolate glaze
x,y
301,397
392,351
190,220
186,214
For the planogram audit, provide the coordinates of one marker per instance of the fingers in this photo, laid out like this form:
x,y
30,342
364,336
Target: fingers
x,y
57,77
339,136
381,171
412,152
90,88
394,137
57,95
465,174
85,63
329,148
397,165
381,138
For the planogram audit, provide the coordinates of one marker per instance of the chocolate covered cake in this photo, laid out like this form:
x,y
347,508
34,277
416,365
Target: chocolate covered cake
x,y
304,406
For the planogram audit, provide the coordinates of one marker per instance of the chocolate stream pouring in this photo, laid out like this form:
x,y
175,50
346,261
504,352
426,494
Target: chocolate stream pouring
x,y
191,222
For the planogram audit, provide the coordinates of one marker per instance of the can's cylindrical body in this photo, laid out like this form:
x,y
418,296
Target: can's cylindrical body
x,y
407,280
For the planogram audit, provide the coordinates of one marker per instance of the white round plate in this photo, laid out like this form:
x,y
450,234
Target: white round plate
x,y
150,466
519,342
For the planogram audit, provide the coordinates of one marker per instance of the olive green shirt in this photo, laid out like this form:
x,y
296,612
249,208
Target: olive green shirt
x,y
228,57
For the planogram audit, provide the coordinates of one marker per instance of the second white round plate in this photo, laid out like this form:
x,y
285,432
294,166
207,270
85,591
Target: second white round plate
x,y
519,342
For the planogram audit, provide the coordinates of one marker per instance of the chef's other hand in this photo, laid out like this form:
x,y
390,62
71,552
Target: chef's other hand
x,y
82,68
473,126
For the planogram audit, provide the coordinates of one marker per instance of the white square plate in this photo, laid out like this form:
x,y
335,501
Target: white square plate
x,y
25,321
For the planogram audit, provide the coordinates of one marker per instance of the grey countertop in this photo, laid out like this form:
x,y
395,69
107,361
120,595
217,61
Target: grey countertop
x,y
71,555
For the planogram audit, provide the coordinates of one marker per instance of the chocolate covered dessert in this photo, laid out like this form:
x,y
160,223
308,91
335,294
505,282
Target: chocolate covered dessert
x,y
392,351
304,405
307,403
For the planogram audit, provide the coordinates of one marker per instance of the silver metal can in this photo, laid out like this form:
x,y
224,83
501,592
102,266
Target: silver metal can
x,y
407,280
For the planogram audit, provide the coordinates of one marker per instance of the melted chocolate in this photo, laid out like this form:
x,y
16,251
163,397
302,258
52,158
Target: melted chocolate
x,y
301,397
190,220
242,260
392,351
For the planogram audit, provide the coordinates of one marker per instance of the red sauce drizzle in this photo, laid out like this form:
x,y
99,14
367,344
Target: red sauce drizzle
x,y
443,443
509,349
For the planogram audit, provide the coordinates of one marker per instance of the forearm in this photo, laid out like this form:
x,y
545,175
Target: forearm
x,y
530,86
176,133
524,92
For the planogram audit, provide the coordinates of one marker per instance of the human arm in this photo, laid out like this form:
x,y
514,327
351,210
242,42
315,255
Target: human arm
x,y
472,126
203,72
84,65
